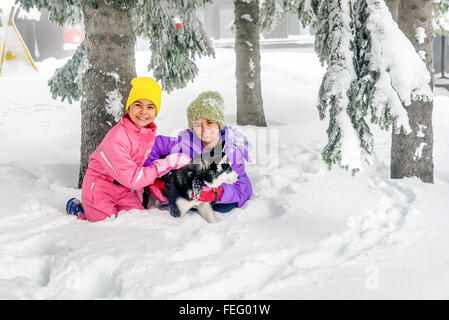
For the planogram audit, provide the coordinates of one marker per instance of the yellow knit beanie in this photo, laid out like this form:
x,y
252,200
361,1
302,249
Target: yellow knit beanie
x,y
145,88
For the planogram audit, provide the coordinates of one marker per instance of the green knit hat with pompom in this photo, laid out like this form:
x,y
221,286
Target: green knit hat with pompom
x,y
208,105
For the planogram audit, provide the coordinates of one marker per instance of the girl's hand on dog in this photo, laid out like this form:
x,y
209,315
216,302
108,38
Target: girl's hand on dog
x,y
170,162
209,194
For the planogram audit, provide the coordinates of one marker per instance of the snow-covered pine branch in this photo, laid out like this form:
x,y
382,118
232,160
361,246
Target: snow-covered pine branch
x,y
61,12
401,74
272,12
361,92
441,17
67,80
371,66
172,51
333,43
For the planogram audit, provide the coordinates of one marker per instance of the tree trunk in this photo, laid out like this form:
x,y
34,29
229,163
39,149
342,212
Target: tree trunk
x,y
110,66
411,155
247,51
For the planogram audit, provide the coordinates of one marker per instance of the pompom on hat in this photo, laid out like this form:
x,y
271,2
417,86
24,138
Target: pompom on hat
x,y
145,88
208,105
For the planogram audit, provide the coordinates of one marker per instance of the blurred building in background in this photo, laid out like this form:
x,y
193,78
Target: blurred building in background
x,y
218,16
441,50
45,39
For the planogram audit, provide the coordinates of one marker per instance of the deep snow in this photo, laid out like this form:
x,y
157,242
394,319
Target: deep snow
x,y
306,233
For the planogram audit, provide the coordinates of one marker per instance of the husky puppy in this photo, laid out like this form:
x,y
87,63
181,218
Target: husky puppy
x,y
208,170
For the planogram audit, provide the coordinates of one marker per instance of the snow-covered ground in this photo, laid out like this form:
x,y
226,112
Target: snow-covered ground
x,y
306,233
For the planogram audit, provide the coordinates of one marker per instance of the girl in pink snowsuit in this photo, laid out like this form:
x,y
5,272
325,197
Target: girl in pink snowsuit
x,y
115,174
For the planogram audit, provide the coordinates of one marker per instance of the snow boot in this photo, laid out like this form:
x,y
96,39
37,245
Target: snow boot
x,y
74,207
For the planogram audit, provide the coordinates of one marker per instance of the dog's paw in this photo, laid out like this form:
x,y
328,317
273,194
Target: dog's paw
x,y
175,214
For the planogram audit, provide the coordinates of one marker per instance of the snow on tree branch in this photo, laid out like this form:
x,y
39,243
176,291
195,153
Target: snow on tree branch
x,y
403,76
441,17
173,51
272,12
333,44
371,66
66,82
61,12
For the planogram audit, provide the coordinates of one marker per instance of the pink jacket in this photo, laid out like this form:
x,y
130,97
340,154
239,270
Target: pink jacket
x,y
122,153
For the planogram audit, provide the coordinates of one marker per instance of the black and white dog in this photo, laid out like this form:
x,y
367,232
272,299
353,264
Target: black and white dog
x,y
208,170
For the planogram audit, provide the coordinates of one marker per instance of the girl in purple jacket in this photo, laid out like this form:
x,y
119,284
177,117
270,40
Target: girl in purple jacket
x,y
207,131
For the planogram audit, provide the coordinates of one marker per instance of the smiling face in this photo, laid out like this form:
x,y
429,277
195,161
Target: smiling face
x,y
207,131
142,112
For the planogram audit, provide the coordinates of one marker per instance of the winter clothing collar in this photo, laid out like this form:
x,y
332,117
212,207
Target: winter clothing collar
x,y
129,124
233,139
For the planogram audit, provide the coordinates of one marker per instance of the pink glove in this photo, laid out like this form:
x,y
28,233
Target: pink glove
x,y
170,162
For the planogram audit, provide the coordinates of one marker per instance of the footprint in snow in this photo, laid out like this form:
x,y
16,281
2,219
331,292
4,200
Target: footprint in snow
x,y
365,230
204,245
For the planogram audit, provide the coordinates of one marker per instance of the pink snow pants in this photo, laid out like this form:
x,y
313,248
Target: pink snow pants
x,y
101,198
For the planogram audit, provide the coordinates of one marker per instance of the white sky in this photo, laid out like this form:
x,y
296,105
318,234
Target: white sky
x,y
6,5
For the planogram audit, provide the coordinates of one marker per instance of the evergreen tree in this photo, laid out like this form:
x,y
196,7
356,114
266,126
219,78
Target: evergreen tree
x,y
272,12
172,51
372,70
101,69
66,82
366,76
441,17
251,19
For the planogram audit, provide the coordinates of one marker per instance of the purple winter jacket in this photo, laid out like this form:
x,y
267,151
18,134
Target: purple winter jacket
x,y
236,148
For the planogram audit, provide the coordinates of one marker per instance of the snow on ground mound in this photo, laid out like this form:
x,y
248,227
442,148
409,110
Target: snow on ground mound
x,y
304,228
